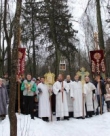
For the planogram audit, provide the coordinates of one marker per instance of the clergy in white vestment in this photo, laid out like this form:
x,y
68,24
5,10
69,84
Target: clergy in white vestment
x,y
77,95
89,89
60,89
44,102
69,100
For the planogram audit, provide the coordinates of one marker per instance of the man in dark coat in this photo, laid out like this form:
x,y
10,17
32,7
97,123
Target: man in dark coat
x,y
100,91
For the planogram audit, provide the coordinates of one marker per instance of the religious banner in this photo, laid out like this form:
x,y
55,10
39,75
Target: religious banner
x,y
97,61
49,78
21,60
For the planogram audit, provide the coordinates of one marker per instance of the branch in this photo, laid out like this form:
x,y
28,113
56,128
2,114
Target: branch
x,y
4,21
87,5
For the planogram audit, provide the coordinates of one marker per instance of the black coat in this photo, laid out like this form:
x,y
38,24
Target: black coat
x,y
102,86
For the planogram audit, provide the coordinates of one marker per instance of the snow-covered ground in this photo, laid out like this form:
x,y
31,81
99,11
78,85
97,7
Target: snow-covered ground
x,y
95,126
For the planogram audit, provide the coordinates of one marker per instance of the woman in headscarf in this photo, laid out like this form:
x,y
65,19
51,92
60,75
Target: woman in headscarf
x,y
3,100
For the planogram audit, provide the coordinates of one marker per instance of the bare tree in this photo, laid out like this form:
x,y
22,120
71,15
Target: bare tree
x,y
8,29
12,115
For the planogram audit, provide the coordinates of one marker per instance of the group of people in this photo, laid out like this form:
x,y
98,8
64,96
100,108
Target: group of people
x,y
65,98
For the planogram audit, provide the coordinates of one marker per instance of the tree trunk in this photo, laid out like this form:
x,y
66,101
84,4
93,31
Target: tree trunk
x,y
3,53
12,115
0,53
99,23
1,72
33,39
9,59
7,37
57,60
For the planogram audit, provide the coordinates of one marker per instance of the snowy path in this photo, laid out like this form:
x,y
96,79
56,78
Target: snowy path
x,y
96,126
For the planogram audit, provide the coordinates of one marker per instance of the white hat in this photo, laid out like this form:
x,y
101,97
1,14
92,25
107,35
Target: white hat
x,y
34,79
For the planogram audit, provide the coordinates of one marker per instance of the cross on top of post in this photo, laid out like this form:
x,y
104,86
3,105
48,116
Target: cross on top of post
x,y
96,41
82,73
49,69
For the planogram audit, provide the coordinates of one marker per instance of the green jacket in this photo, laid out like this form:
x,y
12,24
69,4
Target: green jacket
x,y
33,88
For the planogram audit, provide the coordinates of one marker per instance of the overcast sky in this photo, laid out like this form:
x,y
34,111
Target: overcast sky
x,y
77,8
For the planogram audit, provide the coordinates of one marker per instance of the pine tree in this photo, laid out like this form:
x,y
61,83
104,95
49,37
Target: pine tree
x,y
59,30
30,29
51,19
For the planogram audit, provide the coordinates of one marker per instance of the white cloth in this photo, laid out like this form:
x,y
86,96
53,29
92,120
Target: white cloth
x,y
107,97
69,100
88,88
61,104
44,103
76,93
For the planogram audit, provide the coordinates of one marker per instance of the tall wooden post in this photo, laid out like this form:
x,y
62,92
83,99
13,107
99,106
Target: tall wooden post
x,y
18,92
96,41
49,80
19,110
97,47
62,68
100,94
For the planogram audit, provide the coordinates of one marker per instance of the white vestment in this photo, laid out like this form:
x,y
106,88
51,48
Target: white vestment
x,y
44,103
76,93
88,88
69,100
61,99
